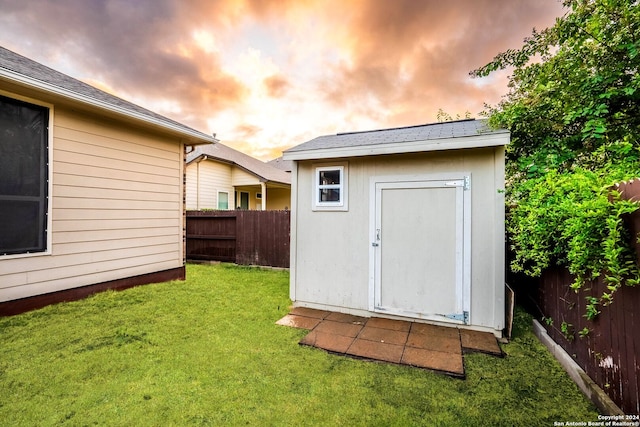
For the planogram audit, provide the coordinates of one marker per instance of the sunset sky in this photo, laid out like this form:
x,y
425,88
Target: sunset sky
x,y
266,75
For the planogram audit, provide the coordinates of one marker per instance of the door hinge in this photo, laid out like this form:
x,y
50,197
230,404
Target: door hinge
x,y
462,317
467,182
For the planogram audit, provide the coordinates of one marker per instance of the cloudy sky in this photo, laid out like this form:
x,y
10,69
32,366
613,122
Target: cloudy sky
x,y
265,75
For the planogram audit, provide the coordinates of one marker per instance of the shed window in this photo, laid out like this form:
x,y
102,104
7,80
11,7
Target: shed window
x,y
330,188
223,200
23,177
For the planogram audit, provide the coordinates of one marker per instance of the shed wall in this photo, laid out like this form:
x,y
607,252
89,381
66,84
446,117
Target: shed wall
x,y
117,208
332,248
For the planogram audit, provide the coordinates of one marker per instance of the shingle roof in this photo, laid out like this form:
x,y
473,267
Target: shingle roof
x,y
280,163
427,134
227,154
20,69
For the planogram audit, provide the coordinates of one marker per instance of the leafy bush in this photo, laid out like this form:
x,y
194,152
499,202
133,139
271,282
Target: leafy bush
x,y
574,114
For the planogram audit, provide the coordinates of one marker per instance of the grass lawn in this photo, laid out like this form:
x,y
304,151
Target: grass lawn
x,y
207,352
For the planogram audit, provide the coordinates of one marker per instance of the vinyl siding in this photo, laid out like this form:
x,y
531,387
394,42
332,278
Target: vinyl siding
x,y
240,177
204,180
117,204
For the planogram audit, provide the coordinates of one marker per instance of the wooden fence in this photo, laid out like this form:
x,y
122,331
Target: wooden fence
x,y
610,352
241,236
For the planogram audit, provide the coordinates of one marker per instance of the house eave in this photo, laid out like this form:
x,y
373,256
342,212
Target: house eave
x,y
189,136
445,144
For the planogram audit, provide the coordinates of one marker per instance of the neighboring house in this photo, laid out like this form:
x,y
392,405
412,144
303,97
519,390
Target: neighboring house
x,y
405,222
91,189
219,177
280,163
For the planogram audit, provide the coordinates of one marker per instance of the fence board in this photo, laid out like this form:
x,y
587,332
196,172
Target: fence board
x,y
609,354
241,236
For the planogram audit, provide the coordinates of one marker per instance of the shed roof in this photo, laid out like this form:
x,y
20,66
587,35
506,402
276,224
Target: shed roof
x,y
458,134
26,72
262,170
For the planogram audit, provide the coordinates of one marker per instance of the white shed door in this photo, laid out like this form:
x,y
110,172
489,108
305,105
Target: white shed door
x,y
418,249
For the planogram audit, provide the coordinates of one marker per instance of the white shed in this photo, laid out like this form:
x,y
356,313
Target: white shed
x,y
405,222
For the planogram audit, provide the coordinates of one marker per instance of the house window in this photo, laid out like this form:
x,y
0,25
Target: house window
x,y
24,174
330,188
223,200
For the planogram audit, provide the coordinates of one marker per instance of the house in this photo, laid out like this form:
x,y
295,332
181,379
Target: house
x,y
91,189
219,177
280,163
403,223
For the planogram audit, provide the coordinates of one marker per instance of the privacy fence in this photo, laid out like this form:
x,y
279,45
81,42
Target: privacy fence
x,y
241,236
610,352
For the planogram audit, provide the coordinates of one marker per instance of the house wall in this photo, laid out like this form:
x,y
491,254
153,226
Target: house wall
x,y
330,264
117,208
278,198
204,180
240,177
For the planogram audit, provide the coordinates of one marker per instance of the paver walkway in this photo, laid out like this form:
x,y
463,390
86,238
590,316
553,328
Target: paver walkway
x,y
438,348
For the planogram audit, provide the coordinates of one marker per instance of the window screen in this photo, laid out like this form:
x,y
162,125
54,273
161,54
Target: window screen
x,y
23,176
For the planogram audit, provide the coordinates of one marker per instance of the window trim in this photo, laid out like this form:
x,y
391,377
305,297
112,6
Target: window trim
x,y
49,198
343,187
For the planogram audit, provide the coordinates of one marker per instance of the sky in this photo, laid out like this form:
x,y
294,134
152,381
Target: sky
x,y
266,75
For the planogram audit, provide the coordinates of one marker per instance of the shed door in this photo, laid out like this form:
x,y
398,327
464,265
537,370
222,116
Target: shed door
x,y
418,249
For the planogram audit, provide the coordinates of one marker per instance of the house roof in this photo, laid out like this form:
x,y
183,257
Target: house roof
x,y
280,163
221,152
25,72
459,134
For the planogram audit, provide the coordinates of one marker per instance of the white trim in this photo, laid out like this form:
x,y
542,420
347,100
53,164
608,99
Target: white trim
x,y
293,233
49,202
485,140
499,237
343,187
47,87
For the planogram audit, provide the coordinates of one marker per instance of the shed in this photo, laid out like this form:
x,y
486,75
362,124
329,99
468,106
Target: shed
x,y
402,223
91,189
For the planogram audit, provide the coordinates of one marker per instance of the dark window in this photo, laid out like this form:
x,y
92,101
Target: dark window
x,y
23,176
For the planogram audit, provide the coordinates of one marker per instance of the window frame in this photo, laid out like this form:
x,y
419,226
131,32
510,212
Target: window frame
x,y
218,201
340,205
49,178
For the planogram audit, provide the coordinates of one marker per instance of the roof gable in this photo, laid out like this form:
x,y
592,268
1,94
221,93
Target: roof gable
x,y
428,137
24,71
223,153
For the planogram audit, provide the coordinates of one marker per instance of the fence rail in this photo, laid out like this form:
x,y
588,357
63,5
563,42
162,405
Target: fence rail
x,y
241,236
610,352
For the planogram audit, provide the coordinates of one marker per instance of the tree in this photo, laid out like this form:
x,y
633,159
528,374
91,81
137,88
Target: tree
x,y
573,109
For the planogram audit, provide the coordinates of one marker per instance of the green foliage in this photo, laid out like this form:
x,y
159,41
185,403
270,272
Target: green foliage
x,y
573,110
443,116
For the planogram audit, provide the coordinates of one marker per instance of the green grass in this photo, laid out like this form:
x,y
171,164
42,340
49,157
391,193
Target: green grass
x,y
207,352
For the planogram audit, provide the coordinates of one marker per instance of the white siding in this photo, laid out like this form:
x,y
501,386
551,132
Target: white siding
x,y
205,179
239,177
117,204
192,186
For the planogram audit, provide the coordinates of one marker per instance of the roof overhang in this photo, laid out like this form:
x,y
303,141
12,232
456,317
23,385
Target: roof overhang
x,y
492,139
190,136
